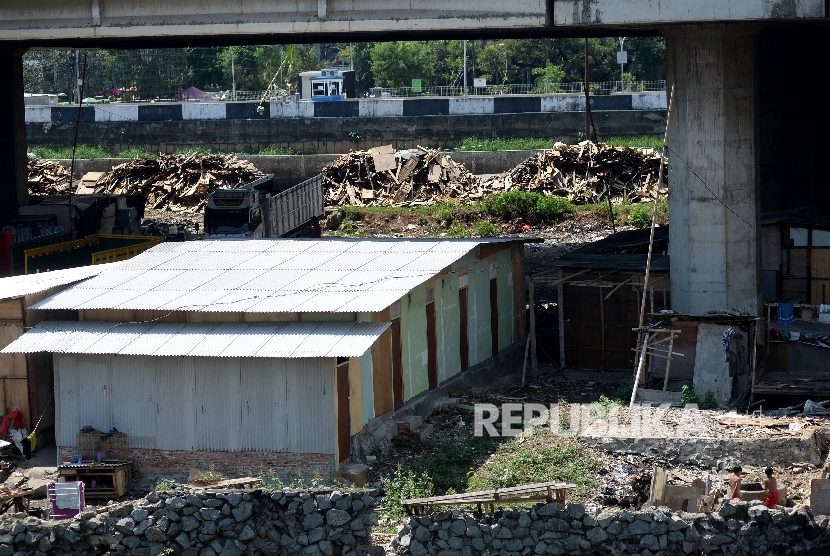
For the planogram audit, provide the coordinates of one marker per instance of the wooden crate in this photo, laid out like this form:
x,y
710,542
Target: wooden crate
x,y
115,447
89,444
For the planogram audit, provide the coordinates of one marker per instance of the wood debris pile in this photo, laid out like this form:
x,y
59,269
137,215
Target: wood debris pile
x,y
47,177
180,182
585,173
382,176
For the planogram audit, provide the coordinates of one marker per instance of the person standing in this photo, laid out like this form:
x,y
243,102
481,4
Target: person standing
x,y
735,483
771,486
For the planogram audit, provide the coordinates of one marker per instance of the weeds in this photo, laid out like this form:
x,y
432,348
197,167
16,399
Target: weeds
x,y
269,479
402,485
83,151
541,457
622,394
457,230
687,395
503,144
168,484
137,152
528,206
485,228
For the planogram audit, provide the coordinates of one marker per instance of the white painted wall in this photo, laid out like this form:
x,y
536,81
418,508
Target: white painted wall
x,y
376,108
38,114
203,110
471,105
116,113
302,109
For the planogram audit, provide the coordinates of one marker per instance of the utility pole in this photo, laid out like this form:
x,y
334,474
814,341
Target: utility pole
x,y
587,84
465,66
77,78
622,58
233,77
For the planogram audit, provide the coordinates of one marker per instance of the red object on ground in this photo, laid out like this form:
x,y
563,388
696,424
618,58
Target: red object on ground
x,y
772,499
11,420
6,240
525,228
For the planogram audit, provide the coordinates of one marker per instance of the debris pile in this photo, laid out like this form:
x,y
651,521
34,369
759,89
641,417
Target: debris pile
x,y
47,177
382,176
177,182
585,173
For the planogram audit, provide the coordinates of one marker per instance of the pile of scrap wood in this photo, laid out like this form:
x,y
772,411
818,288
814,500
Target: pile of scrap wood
x,y
382,176
585,173
177,182
47,177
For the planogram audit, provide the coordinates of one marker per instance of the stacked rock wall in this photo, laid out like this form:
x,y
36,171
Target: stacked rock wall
x,y
321,522
735,530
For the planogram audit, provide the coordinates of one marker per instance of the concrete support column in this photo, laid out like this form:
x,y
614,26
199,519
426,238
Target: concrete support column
x,y
13,172
713,169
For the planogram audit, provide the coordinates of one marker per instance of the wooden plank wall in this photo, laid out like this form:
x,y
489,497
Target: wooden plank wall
x,y
382,366
821,275
14,387
517,255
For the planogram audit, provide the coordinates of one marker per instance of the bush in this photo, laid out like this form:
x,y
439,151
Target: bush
x,y
640,215
687,395
623,392
709,401
528,206
485,228
405,484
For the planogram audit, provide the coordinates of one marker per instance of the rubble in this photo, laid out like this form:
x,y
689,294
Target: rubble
x,y
47,177
177,182
585,173
381,176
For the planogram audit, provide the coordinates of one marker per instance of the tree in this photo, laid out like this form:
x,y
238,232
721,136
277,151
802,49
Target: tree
x,y
545,76
359,56
395,64
647,58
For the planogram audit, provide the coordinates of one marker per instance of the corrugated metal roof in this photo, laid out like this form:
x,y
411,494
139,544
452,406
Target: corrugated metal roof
x,y
18,286
286,275
280,339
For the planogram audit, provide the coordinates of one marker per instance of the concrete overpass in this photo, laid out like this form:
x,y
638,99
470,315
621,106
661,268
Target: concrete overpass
x,y
749,126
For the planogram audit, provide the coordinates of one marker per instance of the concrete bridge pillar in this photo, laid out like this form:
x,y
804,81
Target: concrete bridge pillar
x,y
714,197
13,172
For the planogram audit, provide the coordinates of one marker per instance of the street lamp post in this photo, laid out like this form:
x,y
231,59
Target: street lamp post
x,y
504,79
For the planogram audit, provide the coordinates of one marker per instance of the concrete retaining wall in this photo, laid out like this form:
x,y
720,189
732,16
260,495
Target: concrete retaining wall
x,y
206,524
303,166
735,530
158,131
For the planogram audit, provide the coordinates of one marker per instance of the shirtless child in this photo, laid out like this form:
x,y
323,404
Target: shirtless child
x,y
735,483
771,486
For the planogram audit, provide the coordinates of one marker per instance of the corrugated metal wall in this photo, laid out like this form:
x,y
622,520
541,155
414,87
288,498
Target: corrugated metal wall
x,y
186,403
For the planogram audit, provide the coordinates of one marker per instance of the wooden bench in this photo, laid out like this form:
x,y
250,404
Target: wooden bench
x,y
539,492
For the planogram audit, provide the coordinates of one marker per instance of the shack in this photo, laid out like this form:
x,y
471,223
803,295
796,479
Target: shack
x,y
27,382
272,353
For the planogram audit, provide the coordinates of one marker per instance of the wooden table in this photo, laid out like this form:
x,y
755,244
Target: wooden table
x,y
110,480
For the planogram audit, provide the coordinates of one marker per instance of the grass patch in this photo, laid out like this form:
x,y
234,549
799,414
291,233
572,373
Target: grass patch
x,y
137,152
83,151
639,141
275,151
640,215
504,144
539,458
485,228
528,206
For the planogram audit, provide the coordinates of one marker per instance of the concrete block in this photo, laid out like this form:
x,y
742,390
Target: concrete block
x,y
820,496
711,371
414,421
660,396
354,472
441,402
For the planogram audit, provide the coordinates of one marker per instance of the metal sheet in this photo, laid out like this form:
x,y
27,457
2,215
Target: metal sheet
x,y
267,270
176,399
310,392
265,420
218,400
282,339
135,408
18,286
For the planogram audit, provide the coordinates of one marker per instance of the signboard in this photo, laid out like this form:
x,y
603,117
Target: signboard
x,y
479,82
416,85
622,57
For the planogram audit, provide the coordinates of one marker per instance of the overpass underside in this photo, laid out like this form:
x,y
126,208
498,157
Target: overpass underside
x,y
748,128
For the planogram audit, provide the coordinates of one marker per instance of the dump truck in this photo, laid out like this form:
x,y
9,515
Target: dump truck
x,y
266,207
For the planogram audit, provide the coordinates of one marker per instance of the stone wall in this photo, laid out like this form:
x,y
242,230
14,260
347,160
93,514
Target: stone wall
x,y
321,522
737,529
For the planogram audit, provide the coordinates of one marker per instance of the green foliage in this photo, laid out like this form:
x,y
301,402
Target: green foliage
x,y
167,552
136,152
500,144
546,75
635,141
83,151
445,216
404,484
269,479
640,215
624,390
709,401
168,484
395,64
456,229
276,151
540,457
485,228
687,395
355,136
528,206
